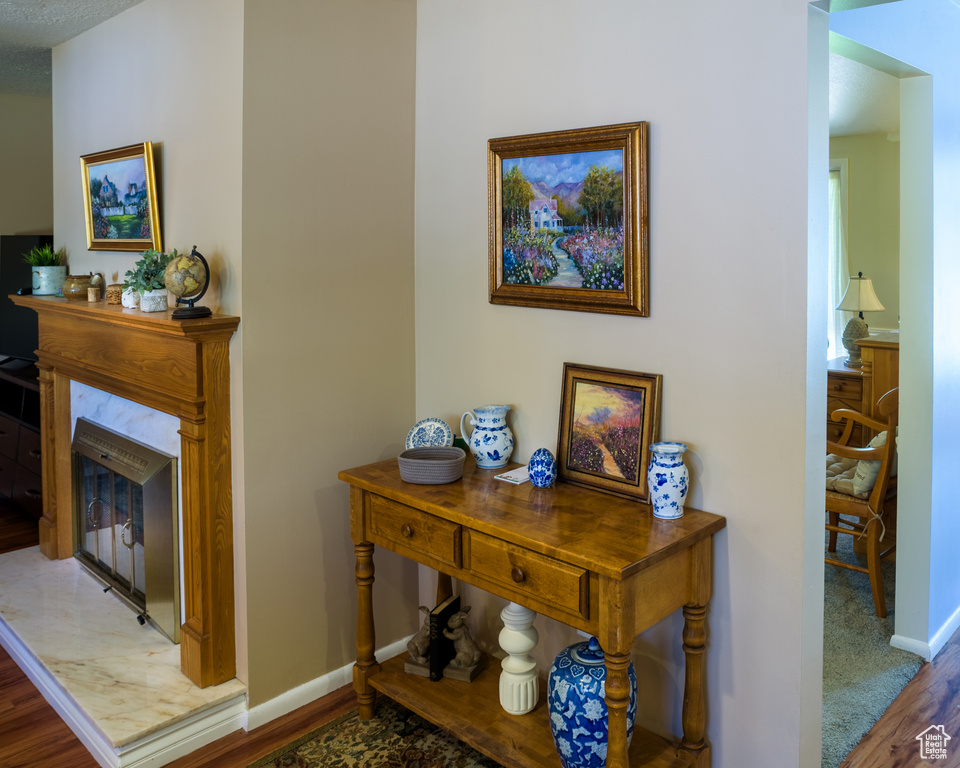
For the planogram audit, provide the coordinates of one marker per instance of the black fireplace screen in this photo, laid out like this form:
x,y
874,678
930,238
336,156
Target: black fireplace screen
x,y
126,522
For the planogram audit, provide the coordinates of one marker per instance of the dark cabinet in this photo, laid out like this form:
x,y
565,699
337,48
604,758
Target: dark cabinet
x,y
20,445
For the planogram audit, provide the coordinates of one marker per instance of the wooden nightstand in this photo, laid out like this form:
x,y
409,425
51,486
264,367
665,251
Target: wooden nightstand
x,y
844,390
860,388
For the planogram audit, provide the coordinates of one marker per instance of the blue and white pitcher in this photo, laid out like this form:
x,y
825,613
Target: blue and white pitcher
x,y
491,441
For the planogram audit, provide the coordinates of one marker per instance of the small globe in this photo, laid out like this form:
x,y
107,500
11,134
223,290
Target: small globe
x,y
185,276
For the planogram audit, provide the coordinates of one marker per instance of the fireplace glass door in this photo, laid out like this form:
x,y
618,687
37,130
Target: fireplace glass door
x,y
126,522
113,526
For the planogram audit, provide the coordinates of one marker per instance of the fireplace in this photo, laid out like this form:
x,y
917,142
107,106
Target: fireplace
x,y
125,522
177,367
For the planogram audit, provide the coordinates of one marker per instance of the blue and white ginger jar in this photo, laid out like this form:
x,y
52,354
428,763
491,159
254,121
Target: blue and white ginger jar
x,y
542,468
578,711
667,478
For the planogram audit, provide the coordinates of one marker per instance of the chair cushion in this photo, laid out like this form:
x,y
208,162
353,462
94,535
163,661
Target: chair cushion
x,y
866,475
840,474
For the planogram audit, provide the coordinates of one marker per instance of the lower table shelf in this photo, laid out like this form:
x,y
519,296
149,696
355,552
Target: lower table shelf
x,y
472,713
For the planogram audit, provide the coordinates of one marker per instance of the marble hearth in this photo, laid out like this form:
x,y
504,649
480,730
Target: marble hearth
x,y
117,684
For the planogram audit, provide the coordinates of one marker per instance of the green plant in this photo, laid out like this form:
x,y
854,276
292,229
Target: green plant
x,y
147,274
45,256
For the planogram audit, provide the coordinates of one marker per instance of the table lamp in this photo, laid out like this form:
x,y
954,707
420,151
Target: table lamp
x,y
859,297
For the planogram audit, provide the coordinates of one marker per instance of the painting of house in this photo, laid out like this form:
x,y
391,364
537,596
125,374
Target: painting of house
x,y
543,215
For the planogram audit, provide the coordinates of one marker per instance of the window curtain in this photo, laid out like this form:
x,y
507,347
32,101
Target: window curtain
x,y
838,272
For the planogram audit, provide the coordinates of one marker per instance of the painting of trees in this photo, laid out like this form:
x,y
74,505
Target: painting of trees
x,y
517,196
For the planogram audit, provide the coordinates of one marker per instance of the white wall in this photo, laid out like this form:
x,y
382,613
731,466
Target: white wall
x,y
26,156
923,34
725,90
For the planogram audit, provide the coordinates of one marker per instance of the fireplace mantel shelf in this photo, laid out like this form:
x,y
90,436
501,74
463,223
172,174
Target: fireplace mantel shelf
x,y
181,367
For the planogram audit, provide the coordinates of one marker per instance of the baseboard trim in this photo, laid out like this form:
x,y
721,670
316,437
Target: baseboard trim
x,y
930,649
313,690
942,636
921,649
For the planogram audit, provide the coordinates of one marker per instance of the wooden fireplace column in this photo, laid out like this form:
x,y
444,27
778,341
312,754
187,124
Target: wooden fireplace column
x,y
180,367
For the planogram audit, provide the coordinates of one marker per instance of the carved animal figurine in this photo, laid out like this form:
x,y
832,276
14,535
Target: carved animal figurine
x,y
468,654
419,644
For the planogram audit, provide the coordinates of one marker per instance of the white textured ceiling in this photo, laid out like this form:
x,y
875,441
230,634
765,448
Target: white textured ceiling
x,y
30,28
862,99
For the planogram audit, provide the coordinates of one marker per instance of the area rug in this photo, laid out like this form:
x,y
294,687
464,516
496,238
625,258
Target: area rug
x,y
862,673
395,738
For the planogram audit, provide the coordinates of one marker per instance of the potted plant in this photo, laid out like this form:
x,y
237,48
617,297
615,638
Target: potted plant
x,y
145,281
48,268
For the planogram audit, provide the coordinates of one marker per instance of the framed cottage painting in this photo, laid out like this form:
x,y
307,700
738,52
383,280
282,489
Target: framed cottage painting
x,y
568,220
120,199
608,421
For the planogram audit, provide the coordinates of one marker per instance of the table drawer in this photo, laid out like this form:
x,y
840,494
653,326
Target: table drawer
x,y
27,492
8,469
413,533
526,572
28,453
846,388
835,431
8,437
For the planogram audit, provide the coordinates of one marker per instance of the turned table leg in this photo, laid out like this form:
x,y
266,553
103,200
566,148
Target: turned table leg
x,y
617,688
366,660
694,747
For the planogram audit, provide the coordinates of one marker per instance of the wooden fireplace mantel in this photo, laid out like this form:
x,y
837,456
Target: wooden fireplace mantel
x,y
180,367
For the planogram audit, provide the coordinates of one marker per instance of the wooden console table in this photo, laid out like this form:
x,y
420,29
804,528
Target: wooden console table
x,y
593,561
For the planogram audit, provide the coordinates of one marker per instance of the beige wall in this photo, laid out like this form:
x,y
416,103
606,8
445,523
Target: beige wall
x,y
328,378
26,157
285,132
873,217
167,71
728,325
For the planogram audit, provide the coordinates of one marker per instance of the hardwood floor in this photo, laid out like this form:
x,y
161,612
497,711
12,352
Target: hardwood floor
x,y
32,734
931,699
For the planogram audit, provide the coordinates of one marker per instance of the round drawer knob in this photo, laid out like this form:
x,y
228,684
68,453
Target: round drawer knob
x,y
406,530
517,575
837,387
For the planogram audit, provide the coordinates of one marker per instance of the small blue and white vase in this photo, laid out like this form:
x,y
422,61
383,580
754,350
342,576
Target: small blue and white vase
x,y
667,478
578,711
542,468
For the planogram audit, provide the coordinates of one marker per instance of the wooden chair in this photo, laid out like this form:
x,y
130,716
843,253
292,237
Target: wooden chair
x,y
873,511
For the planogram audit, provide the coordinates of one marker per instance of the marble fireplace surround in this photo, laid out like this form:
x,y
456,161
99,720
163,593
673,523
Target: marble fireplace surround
x,y
178,367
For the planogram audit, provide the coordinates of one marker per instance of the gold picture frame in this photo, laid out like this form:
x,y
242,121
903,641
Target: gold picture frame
x,y
568,220
121,212
608,420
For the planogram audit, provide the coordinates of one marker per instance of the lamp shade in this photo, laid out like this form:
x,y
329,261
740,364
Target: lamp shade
x,y
860,296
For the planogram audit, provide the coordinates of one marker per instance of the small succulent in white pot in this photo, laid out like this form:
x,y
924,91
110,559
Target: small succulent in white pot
x,y
146,280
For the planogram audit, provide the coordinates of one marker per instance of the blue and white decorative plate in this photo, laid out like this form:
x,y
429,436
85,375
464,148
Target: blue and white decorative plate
x,y
429,432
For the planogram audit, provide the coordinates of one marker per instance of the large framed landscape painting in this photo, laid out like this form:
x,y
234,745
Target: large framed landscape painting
x,y
608,421
120,199
568,220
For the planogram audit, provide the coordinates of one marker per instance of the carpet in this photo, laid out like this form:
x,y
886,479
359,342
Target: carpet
x,y
862,673
395,738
